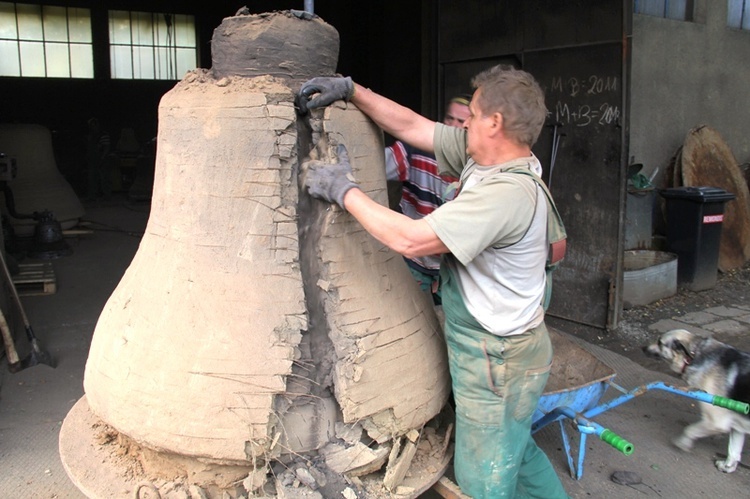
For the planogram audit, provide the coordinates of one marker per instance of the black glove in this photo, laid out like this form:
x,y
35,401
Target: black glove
x,y
328,89
328,181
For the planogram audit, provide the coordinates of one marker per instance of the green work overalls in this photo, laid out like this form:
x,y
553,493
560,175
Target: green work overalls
x,y
497,382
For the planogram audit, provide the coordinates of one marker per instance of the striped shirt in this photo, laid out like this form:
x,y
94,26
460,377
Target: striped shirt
x,y
423,188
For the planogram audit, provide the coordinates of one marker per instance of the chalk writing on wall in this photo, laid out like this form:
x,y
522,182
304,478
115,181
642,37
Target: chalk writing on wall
x,y
582,101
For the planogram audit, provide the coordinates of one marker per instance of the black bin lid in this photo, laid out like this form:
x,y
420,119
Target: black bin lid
x,y
698,194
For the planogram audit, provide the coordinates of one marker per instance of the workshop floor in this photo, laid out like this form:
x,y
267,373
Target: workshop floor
x,y
34,402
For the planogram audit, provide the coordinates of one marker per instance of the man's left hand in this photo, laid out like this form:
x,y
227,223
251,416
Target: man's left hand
x,y
326,90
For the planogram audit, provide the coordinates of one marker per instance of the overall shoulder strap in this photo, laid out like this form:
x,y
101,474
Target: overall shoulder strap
x,y
555,227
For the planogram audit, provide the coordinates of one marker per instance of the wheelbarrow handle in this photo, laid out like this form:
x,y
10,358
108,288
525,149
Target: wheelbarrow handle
x,y
616,441
586,426
731,404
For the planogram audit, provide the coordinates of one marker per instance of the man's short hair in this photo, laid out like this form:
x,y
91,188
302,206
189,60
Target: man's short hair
x,y
516,95
463,99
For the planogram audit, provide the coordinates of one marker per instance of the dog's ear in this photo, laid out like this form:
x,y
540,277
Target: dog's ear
x,y
678,346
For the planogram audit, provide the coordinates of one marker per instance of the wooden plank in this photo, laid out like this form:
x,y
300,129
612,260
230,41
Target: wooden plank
x,y
448,489
35,279
77,232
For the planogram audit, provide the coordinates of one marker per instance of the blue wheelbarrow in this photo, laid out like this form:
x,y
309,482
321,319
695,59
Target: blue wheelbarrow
x,y
576,385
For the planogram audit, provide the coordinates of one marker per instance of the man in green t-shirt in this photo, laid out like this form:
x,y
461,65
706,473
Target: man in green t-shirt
x,y
493,238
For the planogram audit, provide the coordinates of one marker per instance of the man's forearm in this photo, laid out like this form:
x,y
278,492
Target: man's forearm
x,y
411,238
395,119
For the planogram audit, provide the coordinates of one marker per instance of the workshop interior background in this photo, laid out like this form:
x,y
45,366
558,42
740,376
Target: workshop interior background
x,y
623,88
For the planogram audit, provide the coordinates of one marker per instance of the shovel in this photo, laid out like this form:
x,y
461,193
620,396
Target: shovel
x,y
37,355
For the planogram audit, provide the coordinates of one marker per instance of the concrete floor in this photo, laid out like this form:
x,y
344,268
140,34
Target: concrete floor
x,y
34,402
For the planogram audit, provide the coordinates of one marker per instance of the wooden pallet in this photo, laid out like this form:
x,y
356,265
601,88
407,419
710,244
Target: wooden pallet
x,y
35,279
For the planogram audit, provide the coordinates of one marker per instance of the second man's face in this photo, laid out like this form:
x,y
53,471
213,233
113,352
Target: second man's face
x,y
456,114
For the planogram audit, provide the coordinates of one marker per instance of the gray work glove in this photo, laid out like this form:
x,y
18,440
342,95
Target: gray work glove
x,y
330,182
329,90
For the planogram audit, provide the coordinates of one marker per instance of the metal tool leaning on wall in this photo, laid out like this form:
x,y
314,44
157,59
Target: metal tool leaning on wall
x,y
38,355
498,346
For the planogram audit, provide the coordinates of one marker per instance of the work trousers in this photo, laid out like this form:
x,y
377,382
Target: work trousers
x,y
497,382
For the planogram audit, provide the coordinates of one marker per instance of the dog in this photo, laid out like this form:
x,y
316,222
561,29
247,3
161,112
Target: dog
x,y
718,369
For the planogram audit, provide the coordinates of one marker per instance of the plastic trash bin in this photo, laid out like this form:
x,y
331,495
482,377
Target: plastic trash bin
x,y
694,221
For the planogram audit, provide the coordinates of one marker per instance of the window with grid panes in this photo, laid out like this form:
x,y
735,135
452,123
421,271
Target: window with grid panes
x,y
149,45
738,14
45,41
681,10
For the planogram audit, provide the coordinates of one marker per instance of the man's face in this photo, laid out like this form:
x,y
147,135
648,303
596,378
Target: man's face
x,y
456,114
477,126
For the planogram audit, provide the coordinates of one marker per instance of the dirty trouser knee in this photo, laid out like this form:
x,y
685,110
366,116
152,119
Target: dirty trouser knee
x,y
497,382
